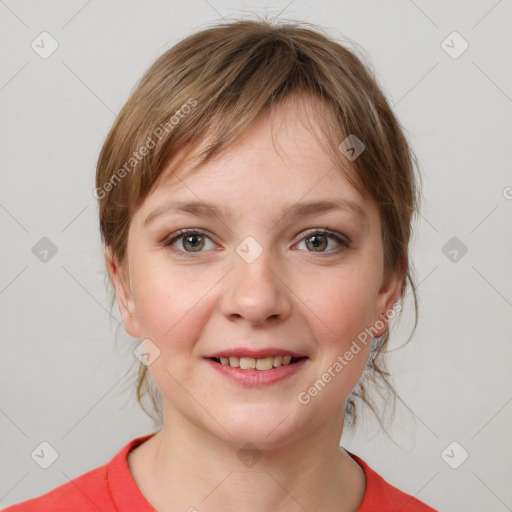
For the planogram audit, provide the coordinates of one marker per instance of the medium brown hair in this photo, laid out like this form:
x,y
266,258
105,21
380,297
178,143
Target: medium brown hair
x,y
215,83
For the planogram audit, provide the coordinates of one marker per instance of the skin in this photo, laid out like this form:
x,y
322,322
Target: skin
x,y
311,300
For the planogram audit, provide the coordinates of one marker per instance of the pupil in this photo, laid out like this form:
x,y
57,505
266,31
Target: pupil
x,y
192,237
316,241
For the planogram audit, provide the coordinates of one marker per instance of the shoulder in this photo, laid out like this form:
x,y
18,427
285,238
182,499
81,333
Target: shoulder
x,y
85,492
382,496
109,488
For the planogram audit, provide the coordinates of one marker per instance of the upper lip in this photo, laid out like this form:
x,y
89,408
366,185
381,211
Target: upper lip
x,y
256,354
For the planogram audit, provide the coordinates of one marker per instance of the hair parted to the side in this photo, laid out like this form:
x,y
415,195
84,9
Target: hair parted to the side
x,y
214,83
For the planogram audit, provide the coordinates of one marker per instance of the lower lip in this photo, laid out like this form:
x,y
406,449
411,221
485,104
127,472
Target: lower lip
x,y
254,378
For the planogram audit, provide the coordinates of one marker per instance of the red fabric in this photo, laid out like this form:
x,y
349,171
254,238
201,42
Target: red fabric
x,y
380,496
111,488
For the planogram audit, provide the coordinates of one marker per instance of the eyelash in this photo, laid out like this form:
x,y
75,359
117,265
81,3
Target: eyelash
x,y
181,234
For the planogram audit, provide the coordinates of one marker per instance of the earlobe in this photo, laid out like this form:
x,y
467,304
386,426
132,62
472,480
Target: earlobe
x,y
388,297
124,294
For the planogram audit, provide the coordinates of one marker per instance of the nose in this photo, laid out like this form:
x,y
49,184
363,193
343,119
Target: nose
x,y
256,291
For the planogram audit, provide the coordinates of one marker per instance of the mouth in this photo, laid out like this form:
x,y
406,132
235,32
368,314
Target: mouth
x,y
261,364
254,372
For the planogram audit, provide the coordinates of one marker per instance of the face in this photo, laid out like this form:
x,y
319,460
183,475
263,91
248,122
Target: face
x,y
256,274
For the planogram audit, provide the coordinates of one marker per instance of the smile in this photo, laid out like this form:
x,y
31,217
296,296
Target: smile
x,y
251,372
250,363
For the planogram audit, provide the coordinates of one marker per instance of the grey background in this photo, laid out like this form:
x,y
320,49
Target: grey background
x,y
67,379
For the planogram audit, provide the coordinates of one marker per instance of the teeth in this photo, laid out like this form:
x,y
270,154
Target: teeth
x,y
265,364
249,363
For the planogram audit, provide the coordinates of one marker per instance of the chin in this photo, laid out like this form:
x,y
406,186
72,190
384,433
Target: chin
x,y
261,427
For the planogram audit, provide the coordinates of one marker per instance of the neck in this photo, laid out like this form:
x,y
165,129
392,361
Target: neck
x,y
185,467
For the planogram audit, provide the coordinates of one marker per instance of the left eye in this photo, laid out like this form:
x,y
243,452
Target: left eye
x,y
196,241
319,239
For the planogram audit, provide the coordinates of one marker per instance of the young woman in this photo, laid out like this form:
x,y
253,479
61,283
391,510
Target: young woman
x,y
256,195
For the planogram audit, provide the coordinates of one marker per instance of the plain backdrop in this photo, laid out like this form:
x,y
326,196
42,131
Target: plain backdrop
x,y
67,379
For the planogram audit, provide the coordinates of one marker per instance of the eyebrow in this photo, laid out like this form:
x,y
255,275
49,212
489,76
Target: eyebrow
x,y
302,209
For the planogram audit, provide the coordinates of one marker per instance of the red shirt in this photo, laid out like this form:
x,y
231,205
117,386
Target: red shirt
x,y
111,488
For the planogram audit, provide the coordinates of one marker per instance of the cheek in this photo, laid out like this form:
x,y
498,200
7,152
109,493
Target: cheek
x,y
343,310
169,303
171,314
344,306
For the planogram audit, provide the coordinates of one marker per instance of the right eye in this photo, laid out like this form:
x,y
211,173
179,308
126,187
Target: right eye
x,y
193,238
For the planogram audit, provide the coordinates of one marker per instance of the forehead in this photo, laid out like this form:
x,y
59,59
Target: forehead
x,y
280,159
293,127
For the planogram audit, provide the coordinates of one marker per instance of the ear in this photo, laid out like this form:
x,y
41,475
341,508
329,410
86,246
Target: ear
x,y
124,295
387,297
